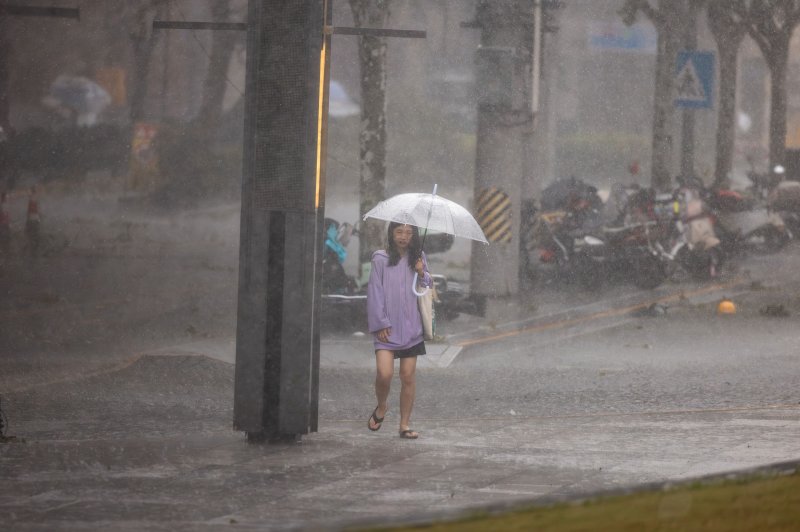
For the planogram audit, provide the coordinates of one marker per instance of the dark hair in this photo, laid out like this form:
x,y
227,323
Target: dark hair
x,y
414,247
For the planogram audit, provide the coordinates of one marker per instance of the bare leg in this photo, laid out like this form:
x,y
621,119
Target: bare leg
x,y
384,362
408,389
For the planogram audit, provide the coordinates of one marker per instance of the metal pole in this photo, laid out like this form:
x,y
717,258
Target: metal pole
x,y
536,58
688,115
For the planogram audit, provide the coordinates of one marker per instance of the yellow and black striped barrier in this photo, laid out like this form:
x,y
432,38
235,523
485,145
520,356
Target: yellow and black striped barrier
x,y
494,214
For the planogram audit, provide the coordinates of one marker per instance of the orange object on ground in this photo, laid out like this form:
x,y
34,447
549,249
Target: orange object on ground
x,y
726,306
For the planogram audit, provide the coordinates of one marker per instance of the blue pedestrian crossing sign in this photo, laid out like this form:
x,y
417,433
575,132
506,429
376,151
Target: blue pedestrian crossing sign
x,y
694,80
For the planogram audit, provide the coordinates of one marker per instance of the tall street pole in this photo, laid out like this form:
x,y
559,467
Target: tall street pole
x,y
688,116
283,189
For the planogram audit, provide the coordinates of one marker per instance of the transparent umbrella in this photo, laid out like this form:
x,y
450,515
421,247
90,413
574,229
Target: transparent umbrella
x,y
429,212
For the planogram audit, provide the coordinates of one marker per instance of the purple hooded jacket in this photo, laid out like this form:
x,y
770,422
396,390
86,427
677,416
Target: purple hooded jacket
x,y
392,303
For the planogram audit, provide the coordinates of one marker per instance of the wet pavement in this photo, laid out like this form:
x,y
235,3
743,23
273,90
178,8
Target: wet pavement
x,y
523,405
206,477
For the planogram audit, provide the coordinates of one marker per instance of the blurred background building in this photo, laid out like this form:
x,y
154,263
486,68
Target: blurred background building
x,y
594,122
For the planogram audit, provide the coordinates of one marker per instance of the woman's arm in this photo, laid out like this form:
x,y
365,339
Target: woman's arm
x,y
377,319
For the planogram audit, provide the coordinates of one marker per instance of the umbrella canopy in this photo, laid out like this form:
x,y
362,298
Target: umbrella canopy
x,y
429,212
79,93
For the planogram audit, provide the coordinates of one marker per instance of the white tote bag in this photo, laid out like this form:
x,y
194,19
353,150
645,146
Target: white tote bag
x,y
427,313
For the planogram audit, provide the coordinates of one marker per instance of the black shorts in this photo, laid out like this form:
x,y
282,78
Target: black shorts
x,y
413,351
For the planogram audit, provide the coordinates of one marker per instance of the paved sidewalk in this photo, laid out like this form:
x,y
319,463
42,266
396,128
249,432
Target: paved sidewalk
x,y
174,463
148,446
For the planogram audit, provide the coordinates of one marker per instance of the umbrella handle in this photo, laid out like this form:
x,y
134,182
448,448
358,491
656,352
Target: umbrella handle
x,y
414,286
425,234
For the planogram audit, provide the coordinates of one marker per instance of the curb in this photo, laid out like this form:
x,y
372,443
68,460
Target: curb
x,y
595,312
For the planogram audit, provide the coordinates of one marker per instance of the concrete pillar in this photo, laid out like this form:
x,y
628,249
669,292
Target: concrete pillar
x,y
277,341
502,74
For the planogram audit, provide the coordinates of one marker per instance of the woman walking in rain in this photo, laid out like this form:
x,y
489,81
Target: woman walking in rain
x,y
394,320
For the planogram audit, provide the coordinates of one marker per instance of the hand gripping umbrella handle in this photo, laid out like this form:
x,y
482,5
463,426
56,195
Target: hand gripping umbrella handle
x,y
414,286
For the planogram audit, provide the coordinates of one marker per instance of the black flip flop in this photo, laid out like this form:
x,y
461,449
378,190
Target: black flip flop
x,y
376,419
409,434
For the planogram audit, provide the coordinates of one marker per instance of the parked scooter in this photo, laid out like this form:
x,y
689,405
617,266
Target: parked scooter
x,y
630,238
692,243
742,223
580,248
630,249
344,303
784,200
782,196
569,207
562,250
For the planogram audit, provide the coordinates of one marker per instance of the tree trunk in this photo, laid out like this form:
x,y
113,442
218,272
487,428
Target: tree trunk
x,y
771,25
222,46
663,115
372,140
728,29
728,49
777,111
